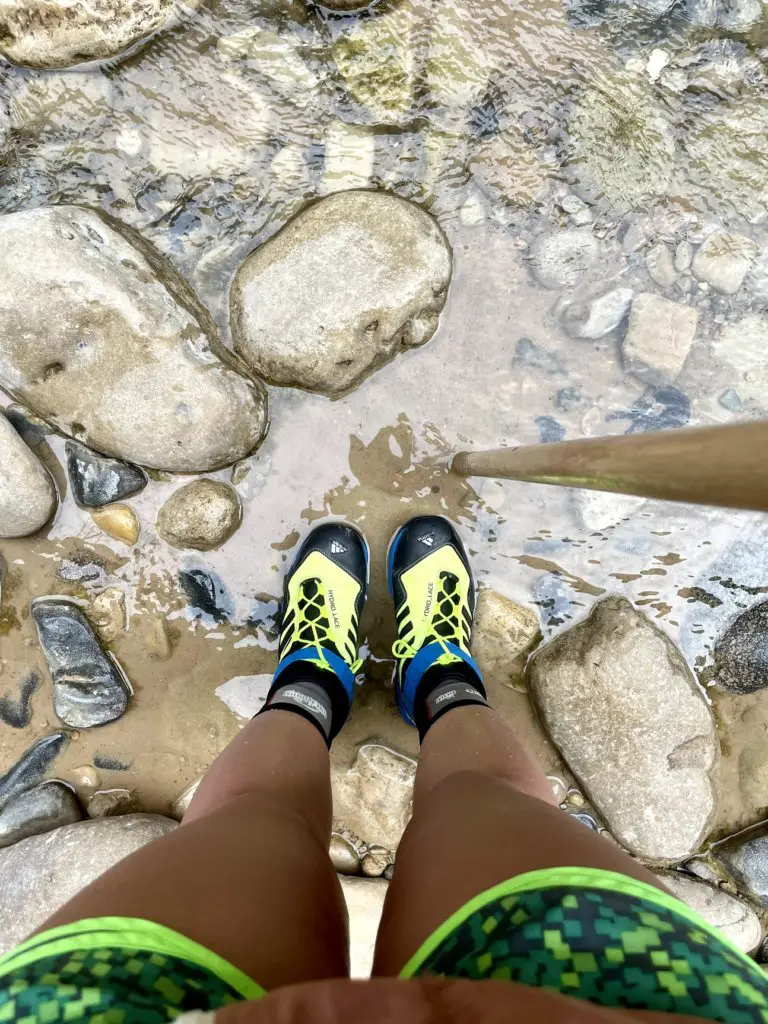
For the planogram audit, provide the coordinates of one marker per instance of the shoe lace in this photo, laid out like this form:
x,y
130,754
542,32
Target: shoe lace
x,y
318,634
443,628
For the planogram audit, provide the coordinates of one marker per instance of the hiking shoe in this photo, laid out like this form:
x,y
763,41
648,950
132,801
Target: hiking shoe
x,y
324,594
434,593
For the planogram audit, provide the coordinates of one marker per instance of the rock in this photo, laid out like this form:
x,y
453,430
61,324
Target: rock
x,y
89,687
598,510
597,317
731,400
745,858
727,149
32,429
376,58
683,256
153,629
558,788
245,695
740,15
344,856
586,819
657,409
180,805
742,345
38,810
508,169
373,797
561,259
32,766
45,34
549,429
86,776
27,494
41,874
98,481
206,594
621,148
17,711
278,59
350,151
375,862
736,920
723,261
365,901
505,633
108,803
741,652
658,261
529,354
108,613
298,326
202,515
659,337
623,708
567,399
128,361
119,522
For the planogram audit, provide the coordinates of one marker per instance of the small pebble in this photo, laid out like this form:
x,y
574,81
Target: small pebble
x,y
375,862
731,400
86,775
683,256
559,789
119,522
575,798
568,398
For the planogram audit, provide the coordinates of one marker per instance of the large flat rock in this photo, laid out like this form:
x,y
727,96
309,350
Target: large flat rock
x,y
624,709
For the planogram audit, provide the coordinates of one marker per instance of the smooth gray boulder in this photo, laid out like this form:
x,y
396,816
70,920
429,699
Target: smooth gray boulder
x,y
346,285
27,494
40,874
201,515
745,858
38,810
59,33
100,336
735,919
624,709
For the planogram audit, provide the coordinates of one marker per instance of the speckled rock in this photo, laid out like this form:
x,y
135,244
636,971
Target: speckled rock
x,y
98,481
735,919
89,687
32,766
56,34
35,811
724,260
299,325
624,709
27,494
504,635
374,796
127,361
741,652
40,874
659,337
202,515
561,259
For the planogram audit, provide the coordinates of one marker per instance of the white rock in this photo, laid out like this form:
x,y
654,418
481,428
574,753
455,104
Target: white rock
x,y
373,798
600,509
27,494
657,61
349,157
659,338
597,317
736,920
245,695
625,711
505,633
723,261
365,901
41,874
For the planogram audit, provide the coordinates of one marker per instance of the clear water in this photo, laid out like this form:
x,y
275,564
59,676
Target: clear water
x,y
211,136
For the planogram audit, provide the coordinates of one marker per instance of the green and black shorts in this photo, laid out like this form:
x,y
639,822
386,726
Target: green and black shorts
x,y
591,934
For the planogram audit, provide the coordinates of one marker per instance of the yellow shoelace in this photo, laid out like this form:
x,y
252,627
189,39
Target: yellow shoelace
x,y
319,633
405,649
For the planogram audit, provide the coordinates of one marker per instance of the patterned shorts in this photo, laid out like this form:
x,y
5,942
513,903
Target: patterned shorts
x,y
592,934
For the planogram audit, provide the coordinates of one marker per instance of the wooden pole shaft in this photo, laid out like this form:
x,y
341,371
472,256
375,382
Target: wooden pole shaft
x,y
725,465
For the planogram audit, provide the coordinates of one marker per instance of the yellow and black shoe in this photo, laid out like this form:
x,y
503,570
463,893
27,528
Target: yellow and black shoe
x,y
323,598
431,582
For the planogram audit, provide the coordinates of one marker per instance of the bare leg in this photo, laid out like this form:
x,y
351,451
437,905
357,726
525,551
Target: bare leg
x,y
483,812
248,873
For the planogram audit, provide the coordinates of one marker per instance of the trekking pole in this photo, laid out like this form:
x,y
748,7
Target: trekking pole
x,y
724,465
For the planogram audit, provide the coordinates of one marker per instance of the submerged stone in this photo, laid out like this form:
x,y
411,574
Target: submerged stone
x,y
594,318
206,593
38,810
202,515
18,713
128,361
527,353
741,652
659,337
621,149
32,766
723,261
57,34
742,345
550,429
561,259
374,796
27,494
657,409
97,481
505,633
508,169
89,687
623,708
299,323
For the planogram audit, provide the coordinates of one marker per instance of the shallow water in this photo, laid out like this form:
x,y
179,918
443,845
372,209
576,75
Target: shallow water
x,y
208,147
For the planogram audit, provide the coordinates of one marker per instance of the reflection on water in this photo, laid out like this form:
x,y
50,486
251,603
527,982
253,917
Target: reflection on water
x,y
642,125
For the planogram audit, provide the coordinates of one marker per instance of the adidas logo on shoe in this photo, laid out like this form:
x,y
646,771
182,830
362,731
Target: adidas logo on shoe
x,y
337,548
